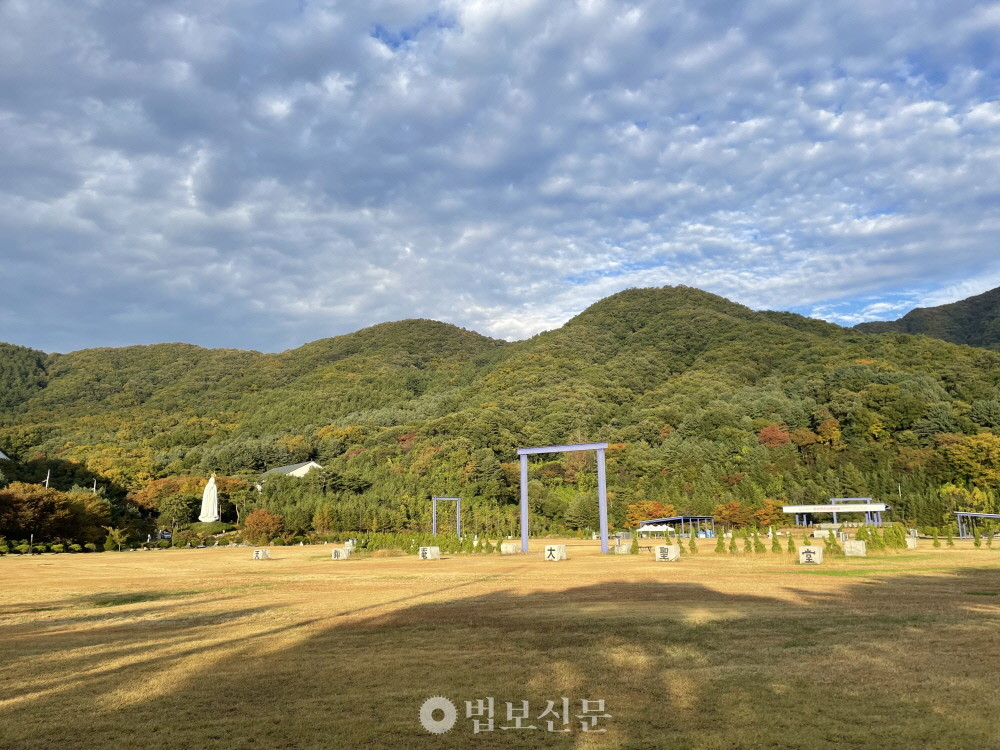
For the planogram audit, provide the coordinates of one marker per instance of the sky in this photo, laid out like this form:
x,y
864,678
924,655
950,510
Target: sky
x,y
259,174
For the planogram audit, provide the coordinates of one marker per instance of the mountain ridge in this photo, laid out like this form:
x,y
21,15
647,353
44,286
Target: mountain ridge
x,y
705,400
974,321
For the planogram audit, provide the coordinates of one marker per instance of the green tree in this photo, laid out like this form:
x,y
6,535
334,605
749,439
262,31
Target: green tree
x,y
176,509
116,538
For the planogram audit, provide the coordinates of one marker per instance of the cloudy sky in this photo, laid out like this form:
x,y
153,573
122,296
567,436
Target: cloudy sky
x,y
258,174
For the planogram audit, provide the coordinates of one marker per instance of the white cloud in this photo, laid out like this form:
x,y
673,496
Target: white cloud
x,y
259,175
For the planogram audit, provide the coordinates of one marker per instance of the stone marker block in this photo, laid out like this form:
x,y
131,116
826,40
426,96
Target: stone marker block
x,y
810,555
341,553
429,553
855,548
667,552
911,543
555,552
349,544
623,549
261,554
510,548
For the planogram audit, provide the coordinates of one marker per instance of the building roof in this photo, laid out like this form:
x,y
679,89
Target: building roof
x,y
5,457
671,519
292,468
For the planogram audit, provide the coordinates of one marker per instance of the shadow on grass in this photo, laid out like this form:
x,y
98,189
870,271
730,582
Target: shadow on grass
x,y
895,662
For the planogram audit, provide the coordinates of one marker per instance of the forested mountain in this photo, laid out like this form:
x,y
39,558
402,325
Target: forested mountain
x,y
704,401
974,321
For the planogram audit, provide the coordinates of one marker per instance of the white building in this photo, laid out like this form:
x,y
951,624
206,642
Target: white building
x,y
295,470
5,457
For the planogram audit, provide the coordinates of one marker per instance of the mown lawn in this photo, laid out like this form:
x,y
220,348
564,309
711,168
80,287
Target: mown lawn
x,y
208,649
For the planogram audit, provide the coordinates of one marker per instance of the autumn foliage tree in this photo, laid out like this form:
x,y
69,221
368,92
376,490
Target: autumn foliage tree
x,y
734,515
262,525
773,436
769,514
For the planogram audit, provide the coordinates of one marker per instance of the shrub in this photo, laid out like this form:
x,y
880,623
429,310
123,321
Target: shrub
x,y
223,542
57,548
277,542
22,549
75,548
109,544
4,547
90,547
211,528
833,547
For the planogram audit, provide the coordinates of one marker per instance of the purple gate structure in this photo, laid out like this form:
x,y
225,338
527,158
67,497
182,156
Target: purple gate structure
x,y
602,488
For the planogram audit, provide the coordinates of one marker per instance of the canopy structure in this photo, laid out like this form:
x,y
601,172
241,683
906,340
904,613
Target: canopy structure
x,y
872,511
968,521
694,524
209,502
653,528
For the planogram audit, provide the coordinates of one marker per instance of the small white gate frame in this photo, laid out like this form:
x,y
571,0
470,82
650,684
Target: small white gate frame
x,y
602,489
458,514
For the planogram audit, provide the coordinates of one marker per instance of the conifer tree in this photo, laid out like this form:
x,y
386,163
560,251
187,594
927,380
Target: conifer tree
x,y
720,545
758,545
634,548
833,546
747,543
977,539
951,540
775,544
693,545
791,545
937,538
733,549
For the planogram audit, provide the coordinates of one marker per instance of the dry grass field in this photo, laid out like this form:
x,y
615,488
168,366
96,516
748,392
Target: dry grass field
x,y
210,649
